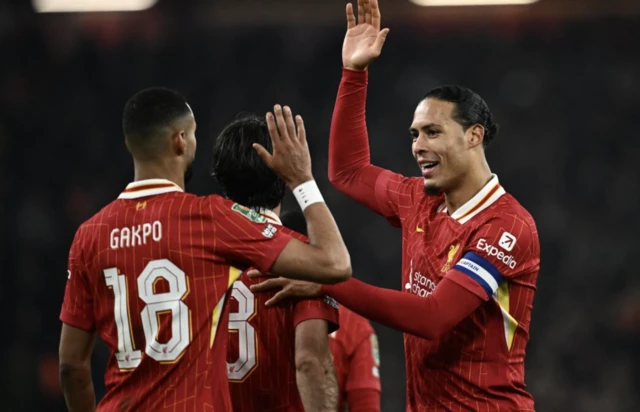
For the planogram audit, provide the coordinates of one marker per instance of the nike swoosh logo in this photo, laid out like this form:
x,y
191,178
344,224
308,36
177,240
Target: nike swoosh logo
x,y
419,230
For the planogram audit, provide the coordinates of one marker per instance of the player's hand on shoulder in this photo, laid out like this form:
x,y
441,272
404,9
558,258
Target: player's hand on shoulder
x,y
364,39
290,158
288,288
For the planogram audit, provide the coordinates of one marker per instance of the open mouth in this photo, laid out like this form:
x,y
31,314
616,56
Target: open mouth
x,y
427,167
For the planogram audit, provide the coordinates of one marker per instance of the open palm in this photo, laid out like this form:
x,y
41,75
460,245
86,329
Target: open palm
x,y
364,39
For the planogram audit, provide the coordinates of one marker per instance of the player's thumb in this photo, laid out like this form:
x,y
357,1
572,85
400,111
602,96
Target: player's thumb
x,y
263,153
382,36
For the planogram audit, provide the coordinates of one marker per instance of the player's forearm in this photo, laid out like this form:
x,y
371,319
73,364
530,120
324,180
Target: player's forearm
x,y
317,385
350,169
77,386
331,252
428,318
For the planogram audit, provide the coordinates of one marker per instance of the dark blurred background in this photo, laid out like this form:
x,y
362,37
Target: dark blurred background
x,y
562,78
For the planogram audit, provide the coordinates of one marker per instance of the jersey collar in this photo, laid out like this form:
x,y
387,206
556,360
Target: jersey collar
x,y
487,196
271,216
149,187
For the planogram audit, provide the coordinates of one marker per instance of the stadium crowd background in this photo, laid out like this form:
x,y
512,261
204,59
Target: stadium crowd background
x,y
566,93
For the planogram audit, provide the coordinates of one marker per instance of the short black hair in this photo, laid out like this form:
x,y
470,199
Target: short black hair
x,y
244,177
147,112
295,220
470,109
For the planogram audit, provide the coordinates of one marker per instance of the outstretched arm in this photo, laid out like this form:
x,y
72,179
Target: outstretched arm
x,y
438,313
245,236
350,168
455,298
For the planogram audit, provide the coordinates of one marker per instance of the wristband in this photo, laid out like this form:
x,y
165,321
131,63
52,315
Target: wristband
x,y
307,194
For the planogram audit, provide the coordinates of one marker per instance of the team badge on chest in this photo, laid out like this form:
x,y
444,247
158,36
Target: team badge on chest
x,y
453,249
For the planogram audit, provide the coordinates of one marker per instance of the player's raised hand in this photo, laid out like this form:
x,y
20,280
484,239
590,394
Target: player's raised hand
x,y
289,288
364,39
290,159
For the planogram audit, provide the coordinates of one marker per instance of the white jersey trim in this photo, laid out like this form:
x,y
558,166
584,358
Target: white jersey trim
x,y
487,196
271,216
149,187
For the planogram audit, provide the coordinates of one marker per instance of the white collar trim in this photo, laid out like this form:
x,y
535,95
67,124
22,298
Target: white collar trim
x,y
487,196
149,187
271,216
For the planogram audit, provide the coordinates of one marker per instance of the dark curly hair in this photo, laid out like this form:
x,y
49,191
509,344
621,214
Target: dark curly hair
x,y
244,177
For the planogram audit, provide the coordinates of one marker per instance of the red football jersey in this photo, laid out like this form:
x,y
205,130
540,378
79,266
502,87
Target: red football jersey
x,y
355,355
493,240
261,352
148,273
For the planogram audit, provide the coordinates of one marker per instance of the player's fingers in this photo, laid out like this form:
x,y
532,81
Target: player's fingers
x,y
302,132
254,273
360,11
291,126
280,122
351,18
264,154
273,128
280,296
367,11
382,37
375,14
267,285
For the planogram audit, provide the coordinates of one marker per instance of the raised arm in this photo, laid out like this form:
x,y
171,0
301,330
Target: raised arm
x,y
250,239
350,168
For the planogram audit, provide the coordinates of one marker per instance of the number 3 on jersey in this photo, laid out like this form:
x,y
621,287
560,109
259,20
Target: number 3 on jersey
x,y
239,323
156,304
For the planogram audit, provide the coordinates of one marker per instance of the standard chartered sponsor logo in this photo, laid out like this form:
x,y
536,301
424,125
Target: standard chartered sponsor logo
x,y
419,284
491,250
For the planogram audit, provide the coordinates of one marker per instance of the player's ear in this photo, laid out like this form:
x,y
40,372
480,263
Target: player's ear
x,y
179,142
475,135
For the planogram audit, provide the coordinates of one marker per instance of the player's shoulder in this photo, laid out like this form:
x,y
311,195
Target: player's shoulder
x,y
292,233
506,212
507,233
509,205
98,219
511,214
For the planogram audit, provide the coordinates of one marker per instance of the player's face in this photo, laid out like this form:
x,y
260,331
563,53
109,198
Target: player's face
x,y
439,146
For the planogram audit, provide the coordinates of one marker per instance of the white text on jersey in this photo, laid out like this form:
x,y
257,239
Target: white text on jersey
x,y
137,235
494,251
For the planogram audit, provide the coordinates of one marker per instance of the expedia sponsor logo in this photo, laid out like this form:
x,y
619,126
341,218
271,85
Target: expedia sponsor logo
x,y
491,250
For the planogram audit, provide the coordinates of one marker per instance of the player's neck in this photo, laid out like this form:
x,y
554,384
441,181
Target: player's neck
x,y
152,170
472,184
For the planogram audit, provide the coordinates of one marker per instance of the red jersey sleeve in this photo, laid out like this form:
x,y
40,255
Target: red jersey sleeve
x,y
77,307
243,235
364,363
320,308
350,168
503,248
394,192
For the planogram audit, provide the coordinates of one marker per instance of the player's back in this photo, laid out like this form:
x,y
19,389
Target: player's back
x,y
356,357
261,353
147,261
